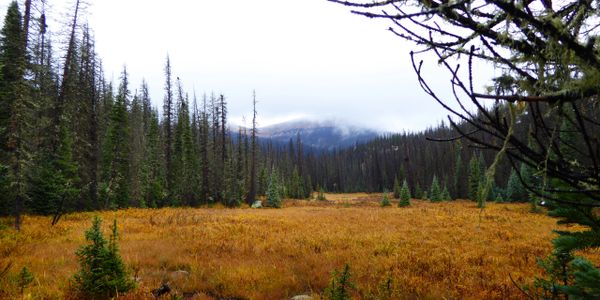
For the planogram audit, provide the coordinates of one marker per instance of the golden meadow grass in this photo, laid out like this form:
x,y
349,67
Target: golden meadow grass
x,y
429,250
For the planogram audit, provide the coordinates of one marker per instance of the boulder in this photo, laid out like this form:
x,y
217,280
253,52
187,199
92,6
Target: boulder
x,y
257,204
302,297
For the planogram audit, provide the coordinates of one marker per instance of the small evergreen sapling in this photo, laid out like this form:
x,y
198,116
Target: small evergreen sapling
x,y
339,285
404,195
446,194
25,278
385,201
102,273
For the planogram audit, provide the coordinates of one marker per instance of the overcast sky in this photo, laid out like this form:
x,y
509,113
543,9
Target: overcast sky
x,y
304,58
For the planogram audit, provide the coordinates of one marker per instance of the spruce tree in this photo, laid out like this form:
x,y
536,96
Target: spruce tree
x,y
385,201
435,193
404,194
274,190
152,170
514,189
15,114
168,115
445,196
102,273
53,189
116,151
419,192
474,179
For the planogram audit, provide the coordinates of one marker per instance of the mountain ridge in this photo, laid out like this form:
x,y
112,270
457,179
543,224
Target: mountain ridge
x,y
327,135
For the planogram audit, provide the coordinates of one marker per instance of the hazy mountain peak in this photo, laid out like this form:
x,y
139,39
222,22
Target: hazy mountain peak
x,y
326,134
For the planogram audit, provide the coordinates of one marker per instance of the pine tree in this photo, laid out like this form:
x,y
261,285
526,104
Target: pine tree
x,y
404,195
435,193
102,273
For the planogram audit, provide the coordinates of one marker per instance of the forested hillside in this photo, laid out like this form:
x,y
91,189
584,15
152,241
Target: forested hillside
x,y
72,141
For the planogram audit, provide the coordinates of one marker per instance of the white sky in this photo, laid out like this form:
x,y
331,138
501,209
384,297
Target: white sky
x,y
304,58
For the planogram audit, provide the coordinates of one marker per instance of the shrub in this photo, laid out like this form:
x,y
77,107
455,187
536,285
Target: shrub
x,y
102,273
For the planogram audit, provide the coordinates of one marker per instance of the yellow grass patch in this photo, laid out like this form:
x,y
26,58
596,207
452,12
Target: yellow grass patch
x,y
428,250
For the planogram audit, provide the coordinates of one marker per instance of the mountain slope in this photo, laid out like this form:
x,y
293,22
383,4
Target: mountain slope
x,y
320,135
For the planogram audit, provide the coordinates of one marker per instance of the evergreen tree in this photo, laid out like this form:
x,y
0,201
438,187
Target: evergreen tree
x,y
514,189
445,196
263,182
499,198
136,155
419,192
184,157
404,195
14,110
274,190
340,285
458,171
474,179
116,189
250,197
385,201
102,273
153,169
168,112
435,193
25,279
53,189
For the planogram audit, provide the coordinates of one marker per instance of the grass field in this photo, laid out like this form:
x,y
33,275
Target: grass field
x,y
448,250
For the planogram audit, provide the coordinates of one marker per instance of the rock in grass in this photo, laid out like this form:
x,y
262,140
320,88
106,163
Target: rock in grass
x,y
302,297
257,204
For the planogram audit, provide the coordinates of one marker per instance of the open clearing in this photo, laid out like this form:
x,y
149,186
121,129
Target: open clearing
x,y
428,250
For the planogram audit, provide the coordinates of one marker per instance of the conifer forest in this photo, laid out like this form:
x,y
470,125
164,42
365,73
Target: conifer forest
x,y
499,201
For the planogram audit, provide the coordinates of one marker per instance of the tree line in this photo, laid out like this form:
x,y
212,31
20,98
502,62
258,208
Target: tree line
x,y
70,140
